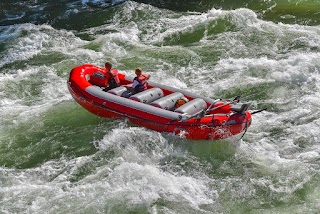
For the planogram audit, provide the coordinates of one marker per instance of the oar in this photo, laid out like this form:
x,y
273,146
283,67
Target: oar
x,y
258,111
235,100
250,96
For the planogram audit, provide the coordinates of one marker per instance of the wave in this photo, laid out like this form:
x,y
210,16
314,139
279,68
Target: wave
x,y
62,15
58,158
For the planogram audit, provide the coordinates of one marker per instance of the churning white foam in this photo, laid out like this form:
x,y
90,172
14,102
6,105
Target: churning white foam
x,y
20,105
278,154
125,180
29,40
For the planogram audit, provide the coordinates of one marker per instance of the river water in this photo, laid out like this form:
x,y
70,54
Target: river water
x,y
55,157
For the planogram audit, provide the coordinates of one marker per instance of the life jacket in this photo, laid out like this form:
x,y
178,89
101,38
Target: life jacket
x,y
113,80
143,84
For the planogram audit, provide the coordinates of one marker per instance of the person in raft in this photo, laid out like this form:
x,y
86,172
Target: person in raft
x,y
112,75
139,83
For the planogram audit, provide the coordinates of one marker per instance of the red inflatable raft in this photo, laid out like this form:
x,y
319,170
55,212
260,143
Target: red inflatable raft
x,y
201,118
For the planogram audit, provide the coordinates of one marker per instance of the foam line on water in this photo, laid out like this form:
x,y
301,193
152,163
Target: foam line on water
x,y
290,70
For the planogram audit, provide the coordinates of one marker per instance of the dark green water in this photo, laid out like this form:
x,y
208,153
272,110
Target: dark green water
x,y
55,157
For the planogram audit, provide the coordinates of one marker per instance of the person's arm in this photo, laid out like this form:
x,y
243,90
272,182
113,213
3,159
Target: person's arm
x,y
147,76
133,85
